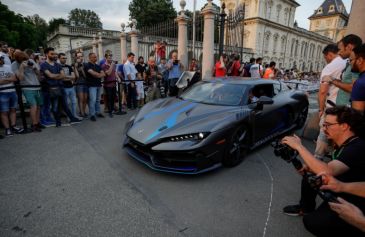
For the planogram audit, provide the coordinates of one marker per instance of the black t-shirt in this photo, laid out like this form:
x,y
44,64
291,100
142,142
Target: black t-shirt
x,y
68,70
141,68
353,156
90,79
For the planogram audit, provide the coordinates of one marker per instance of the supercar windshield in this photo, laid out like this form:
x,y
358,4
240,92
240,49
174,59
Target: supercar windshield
x,y
216,93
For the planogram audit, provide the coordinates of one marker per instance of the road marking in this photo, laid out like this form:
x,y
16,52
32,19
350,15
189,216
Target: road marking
x,y
271,193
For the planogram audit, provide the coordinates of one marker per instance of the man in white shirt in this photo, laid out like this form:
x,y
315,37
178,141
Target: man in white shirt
x,y
327,92
256,69
130,73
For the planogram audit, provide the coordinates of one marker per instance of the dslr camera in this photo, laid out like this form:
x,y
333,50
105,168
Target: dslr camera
x,y
30,63
286,153
290,155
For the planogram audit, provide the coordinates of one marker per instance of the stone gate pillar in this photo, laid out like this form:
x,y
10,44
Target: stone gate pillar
x,y
100,47
94,43
208,12
355,26
182,48
134,39
123,44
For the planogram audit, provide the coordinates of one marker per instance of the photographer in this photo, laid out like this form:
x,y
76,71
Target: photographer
x,y
340,125
175,68
153,80
27,71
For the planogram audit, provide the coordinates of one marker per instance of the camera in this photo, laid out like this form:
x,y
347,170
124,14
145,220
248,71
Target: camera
x,y
316,182
286,153
290,155
2,58
30,63
176,62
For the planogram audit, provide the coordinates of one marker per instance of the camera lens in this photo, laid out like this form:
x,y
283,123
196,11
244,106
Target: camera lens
x,y
30,63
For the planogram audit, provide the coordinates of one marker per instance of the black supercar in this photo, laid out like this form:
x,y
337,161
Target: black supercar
x,y
214,122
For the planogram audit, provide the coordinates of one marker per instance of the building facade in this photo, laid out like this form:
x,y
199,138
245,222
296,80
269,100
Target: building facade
x,y
268,30
330,20
272,33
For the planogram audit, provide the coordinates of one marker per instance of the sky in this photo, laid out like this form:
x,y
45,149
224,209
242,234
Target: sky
x,y
114,12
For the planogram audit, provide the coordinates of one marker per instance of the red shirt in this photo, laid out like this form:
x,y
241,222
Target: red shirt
x,y
269,73
220,72
235,68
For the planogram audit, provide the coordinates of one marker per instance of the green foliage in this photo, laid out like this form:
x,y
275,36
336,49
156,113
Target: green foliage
x,y
151,12
22,32
85,18
54,23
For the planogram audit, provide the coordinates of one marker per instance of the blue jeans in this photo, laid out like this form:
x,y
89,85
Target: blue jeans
x,y
70,97
45,108
94,100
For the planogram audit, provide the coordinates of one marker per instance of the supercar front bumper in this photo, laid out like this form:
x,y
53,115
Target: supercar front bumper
x,y
197,160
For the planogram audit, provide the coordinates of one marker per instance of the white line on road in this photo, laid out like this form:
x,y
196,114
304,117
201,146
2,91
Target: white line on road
x,y
271,193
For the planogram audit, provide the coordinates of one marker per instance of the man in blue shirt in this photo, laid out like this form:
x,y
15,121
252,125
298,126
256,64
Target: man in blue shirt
x,y
357,60
54,76
175,68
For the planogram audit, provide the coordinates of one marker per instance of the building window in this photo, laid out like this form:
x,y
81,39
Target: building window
x,y
320,10
278,11
317,23
329,22
332,8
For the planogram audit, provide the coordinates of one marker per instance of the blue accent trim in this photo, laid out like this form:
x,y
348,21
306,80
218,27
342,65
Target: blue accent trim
x,y
170,121
167,109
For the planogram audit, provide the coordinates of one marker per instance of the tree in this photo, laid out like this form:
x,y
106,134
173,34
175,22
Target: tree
x,y
21,32
41,28
151,12
54,23
85,18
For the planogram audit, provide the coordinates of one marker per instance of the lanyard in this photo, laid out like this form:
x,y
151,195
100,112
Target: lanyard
x,y
338,151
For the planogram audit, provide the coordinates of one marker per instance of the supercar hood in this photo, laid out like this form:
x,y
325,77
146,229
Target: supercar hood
x,y
171,117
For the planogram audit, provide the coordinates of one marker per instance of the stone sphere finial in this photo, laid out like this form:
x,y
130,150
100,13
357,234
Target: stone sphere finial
x,y
123,26
99,34
182,5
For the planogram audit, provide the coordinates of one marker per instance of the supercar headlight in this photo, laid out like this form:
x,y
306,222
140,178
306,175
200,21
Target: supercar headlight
x,y
193,136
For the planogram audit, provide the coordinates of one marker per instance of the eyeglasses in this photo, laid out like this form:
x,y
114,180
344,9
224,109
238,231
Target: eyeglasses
x,y
327,125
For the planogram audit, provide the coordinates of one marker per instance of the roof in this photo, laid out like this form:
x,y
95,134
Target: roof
x,y
240,80
338,8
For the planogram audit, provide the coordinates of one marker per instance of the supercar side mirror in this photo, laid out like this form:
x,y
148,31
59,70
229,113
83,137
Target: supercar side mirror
x,y
265,100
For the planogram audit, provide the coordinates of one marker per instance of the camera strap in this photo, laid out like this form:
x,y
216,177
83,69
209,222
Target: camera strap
x,y
337,152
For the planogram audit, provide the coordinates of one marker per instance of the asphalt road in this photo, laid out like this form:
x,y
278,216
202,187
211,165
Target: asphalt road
x,y
77,181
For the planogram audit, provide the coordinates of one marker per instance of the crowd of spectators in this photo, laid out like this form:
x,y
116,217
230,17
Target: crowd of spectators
x,y
255,68
53,89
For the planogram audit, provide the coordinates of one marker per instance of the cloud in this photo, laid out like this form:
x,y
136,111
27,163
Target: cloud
x,y
113,12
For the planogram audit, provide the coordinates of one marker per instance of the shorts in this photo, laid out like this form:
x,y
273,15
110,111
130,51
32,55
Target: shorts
x,y
33,97
140,91
8,100
82,89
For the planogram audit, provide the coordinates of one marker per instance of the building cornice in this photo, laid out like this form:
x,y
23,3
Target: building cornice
x,y
297,30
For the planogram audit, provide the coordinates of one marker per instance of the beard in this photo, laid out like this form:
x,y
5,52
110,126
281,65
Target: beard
x,y
355,69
